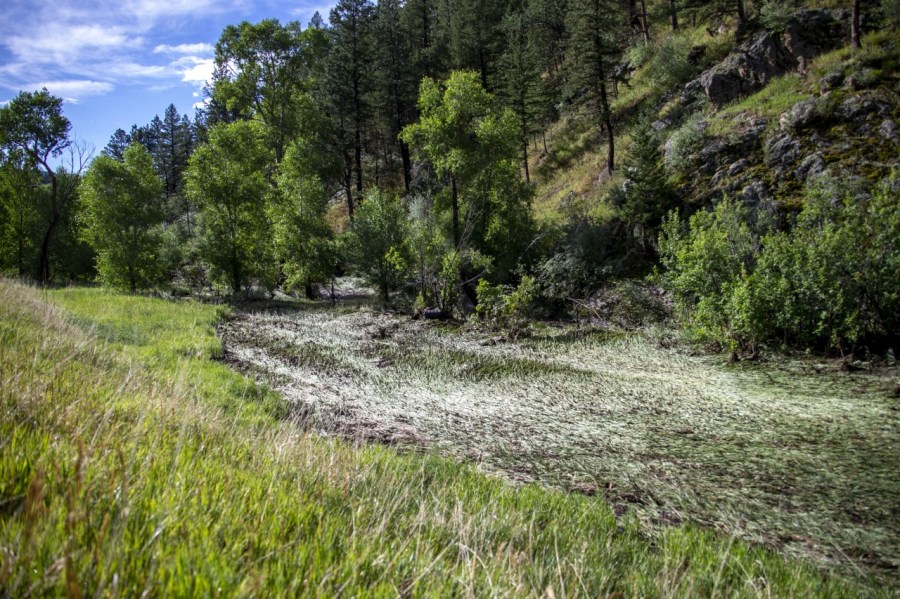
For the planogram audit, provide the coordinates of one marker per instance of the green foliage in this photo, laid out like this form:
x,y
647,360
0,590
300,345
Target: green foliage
x,y
774,14
261,70
704,259
33,128
459,131
507,307
435,264
21,197
890,12
476,147
33,123
833,281
226,180
683,145
304,244
378,242
121,218
647,195
665,62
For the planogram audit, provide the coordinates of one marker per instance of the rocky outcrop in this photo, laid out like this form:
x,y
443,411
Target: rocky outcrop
x,y
767,55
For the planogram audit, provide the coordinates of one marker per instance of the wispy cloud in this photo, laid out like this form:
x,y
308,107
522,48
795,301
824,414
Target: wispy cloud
x,y
199,48
72,90
88,49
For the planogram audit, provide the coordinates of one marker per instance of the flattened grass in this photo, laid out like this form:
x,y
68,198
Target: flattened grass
x,y
133,463
780,456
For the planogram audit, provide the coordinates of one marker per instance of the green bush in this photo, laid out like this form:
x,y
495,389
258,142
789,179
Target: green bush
x,y
683,145
505,307
378,242
775,14
704,259
831,282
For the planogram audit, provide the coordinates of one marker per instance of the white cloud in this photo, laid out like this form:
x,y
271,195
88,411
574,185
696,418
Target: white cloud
x,y
194,69
72,90
59,43
103,44
199,48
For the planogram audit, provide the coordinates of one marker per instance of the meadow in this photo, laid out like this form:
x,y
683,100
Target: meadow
x,y
137,461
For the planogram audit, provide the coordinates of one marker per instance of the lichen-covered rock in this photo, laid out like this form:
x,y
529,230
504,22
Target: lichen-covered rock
x,y
810,167
859,106
831,81
755,193
888,130
738,167
767,55
800,116
782,152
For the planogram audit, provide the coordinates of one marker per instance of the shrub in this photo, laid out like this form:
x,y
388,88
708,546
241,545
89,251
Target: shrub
x,y
378,242
704,259
683,145
832,282
506,307
775,14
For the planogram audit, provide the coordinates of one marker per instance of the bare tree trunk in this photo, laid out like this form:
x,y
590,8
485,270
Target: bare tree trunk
x,y
455,205
673,15
525,160
645,25
348,187
44,260
742,15
854,26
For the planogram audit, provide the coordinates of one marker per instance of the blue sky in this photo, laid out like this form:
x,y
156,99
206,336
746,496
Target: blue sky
x,y
120,62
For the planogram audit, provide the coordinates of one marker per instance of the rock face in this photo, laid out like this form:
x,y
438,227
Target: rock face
x,y
767,55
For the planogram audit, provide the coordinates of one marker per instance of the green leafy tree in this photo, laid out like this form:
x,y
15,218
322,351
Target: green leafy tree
x,y
226,181
33,124
20,201
122,214
462,135
260,71
304,244
378,243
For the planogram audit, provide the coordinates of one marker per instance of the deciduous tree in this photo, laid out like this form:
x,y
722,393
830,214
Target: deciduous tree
x,y
122,217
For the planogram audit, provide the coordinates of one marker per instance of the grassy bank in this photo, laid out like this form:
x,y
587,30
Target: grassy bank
x,y
134,463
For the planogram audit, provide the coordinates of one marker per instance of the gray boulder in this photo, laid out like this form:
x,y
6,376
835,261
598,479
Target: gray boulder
x,y
811,166
755,193
800,116
767,55
782,152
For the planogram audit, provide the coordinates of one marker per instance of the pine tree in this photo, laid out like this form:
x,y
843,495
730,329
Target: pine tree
x,y
349,71
647,194
593,49
521,81
395,83
118,143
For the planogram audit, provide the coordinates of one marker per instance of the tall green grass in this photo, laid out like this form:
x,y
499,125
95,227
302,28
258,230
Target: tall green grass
x,y
134,464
